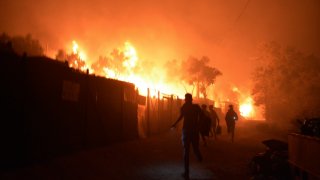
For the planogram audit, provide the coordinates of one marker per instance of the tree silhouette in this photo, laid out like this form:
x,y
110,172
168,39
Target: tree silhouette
x,y
112,62
61,55
74,60
23,44
286,81
195,72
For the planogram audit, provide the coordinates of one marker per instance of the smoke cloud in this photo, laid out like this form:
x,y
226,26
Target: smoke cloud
x,y
228,32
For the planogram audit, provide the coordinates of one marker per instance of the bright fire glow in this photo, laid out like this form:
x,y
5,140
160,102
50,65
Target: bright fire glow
x,y
235,89
131,54
246,108
124,64
142,80
75,49
77,59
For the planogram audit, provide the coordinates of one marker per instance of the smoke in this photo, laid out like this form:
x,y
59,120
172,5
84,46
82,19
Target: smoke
x,y
287,82
176,29
227,32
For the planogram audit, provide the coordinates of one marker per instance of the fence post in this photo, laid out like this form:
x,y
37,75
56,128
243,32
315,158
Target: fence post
x,y
171,107
158,106
148,113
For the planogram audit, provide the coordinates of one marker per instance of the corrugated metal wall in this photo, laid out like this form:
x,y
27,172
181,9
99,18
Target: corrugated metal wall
x,y
49,109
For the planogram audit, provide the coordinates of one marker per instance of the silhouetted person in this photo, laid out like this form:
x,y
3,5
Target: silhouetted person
x,y
214,120
190,132
231,118
205,123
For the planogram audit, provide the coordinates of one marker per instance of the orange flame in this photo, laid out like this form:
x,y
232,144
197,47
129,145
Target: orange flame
x,y
142,81
75,49
153,80
78,58
246,108
131,54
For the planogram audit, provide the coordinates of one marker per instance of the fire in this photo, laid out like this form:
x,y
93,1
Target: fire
x,y
124,64
75,49
235,89
246,104
246,108
77,59
128,72
109,73
130,61
121,64
131,54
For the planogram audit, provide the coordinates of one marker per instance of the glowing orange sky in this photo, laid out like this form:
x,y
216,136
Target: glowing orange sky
x,y
228,32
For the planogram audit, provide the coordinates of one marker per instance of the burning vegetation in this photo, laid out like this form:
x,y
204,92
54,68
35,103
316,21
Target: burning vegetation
x,y
124,64
192,75
277,67
194,72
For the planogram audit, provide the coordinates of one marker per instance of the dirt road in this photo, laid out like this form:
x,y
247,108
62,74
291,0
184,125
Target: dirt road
x,y
157,157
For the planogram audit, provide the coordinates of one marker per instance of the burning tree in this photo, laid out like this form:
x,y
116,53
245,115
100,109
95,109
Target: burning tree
x,y
118,63
76,59
287,83
195,72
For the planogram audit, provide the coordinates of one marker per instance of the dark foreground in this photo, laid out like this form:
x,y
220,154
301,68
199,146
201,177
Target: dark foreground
x,y
157,157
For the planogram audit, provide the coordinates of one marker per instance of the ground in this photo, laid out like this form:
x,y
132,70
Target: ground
x,y
157,157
